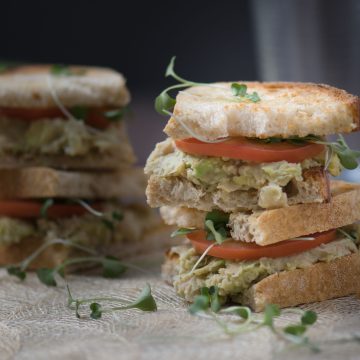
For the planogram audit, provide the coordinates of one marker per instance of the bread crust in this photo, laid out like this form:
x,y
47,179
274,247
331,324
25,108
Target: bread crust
x,y
43,182
285,109
271,226
27,87
183,216
319,282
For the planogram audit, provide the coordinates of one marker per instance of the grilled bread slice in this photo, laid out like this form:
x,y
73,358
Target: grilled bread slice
x,y
272,226
43,182
285,109
29,87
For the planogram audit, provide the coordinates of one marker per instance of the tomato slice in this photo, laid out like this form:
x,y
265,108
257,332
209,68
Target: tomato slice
x,y
95,116
32,209
239,250
251,150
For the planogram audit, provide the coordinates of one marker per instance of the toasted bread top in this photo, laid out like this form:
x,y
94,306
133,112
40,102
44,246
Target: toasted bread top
x,y
30,87
285,109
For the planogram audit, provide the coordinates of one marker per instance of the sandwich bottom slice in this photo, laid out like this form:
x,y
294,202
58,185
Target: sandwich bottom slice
x,y
121,231
328,271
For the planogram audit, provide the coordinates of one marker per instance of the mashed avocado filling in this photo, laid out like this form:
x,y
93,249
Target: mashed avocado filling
x,y
229,175
12,231
56,137
233,278
87,230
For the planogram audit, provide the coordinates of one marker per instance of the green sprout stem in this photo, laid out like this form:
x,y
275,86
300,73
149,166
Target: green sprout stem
x,y
243,320
26,262
79,260
164,102
144,302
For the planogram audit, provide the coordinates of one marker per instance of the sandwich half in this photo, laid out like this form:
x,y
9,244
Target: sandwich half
x,y
63,117
70,212
244,175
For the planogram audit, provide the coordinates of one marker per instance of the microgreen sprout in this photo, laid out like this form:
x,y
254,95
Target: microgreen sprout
x,y
45,207
9,65
208,304
112,267
19,270
79,112
164,103
352,235
348,157
144,302
116,114
65,70
108,222
240,91
216,226
3,67
182,231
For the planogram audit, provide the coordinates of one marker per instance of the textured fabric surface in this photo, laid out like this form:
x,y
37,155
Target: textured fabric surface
x,y
35,323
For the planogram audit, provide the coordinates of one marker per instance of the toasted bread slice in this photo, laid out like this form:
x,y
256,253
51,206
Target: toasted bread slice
x,y
42,182
272,226
182,192
30,87
284,110
318,282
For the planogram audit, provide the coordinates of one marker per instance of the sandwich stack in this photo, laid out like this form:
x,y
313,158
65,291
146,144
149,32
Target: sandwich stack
x,y
66,167
244,174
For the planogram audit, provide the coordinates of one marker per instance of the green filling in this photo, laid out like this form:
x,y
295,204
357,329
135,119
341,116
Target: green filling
x,y
12,231
233,278
226,174
55,137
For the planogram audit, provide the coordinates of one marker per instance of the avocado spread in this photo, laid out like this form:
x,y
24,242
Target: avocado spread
x,y
56,137
12,231
233,278
226,176
87,229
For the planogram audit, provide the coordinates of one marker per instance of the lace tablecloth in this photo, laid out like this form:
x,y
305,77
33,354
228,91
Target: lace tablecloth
x,y
35,323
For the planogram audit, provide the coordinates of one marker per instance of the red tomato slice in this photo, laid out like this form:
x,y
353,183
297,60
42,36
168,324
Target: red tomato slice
x,y
95,116
32,209
251,150
239,250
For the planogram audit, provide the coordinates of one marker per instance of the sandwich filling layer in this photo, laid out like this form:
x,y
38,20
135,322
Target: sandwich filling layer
x,y
234,278
205,182
60,137
88,230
